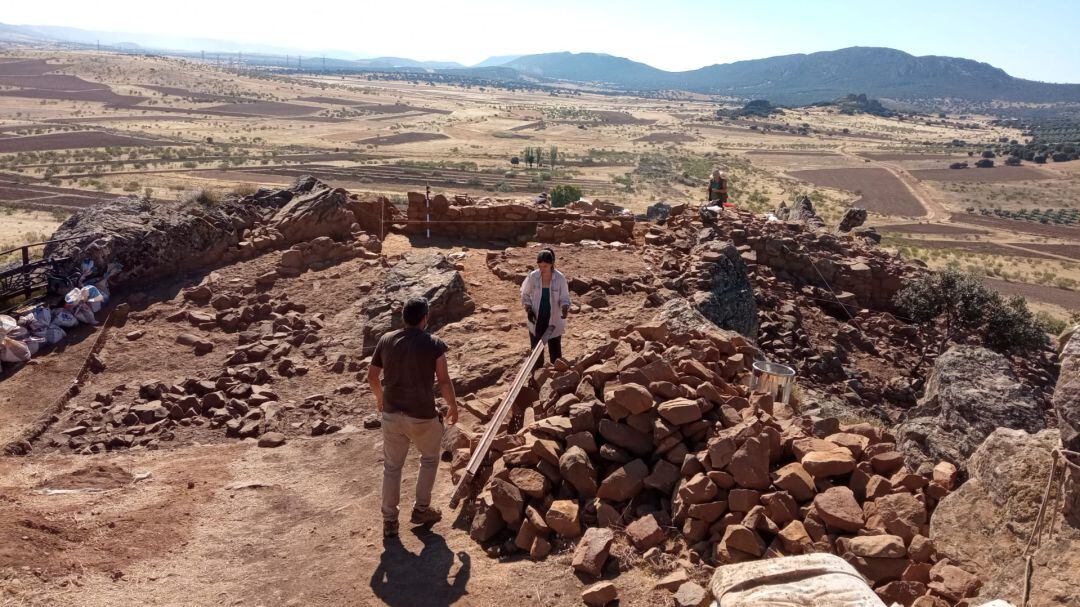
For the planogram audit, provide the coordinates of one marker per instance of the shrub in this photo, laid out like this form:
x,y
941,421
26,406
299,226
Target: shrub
x,y
203,196
966,307
563,194
245,189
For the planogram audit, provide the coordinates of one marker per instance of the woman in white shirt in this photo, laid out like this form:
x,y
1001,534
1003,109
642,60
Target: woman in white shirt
x,y
546,297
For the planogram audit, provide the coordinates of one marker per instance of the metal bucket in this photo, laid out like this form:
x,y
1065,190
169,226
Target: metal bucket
x,y
774,379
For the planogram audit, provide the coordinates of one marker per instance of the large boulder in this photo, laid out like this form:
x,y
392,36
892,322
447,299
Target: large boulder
x,y
971,392
987,521
429,275
151,240
315,210
680,318
1067,393
853,218
801,210
727,299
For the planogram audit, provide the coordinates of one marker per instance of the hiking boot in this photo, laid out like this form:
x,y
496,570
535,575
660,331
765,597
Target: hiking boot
x,y
428,516
389,528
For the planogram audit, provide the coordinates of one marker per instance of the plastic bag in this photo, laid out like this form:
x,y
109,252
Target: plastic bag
x,y
7,324
19,333
64,318
86,269
84,313
33,344
13,351
36,318
88,296
52,334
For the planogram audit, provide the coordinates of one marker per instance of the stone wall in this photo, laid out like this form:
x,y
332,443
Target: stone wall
x,y
465,217
860,276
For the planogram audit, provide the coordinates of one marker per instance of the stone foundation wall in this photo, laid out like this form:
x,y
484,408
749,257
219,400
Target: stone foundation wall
x,y
511,221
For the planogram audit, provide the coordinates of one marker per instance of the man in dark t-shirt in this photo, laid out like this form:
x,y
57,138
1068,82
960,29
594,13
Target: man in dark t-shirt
x,y
410,360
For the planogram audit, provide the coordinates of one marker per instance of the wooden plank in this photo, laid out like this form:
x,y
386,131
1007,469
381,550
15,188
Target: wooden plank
x,y
480,452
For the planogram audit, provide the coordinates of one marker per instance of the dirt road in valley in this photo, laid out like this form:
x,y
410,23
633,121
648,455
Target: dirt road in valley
x,y
935,211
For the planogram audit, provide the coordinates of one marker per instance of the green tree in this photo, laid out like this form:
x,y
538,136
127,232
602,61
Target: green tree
x,y
966,307
528,156
539,154
553,155
563,194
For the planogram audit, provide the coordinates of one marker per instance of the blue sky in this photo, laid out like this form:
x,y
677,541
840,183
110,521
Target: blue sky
x,y
1034,39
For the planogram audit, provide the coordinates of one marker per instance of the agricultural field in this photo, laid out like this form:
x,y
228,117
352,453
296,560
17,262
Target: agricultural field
x,y
77,128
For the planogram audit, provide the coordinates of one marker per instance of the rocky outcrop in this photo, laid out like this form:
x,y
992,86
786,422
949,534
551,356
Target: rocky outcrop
x,y
986,522
971,392
801,210
429,275
153,240
315,210
1067,393
723,293
853,218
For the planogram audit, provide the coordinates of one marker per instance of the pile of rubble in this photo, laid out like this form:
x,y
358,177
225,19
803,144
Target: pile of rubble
x,y
275,339
507,220
657,439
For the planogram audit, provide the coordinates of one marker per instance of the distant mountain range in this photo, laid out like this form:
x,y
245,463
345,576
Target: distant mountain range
x,y
788,79
878,72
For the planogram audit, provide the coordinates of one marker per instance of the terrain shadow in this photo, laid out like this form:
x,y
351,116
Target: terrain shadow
x,y
404,579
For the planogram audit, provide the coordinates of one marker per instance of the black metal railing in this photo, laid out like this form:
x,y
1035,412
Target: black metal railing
x,y
21,282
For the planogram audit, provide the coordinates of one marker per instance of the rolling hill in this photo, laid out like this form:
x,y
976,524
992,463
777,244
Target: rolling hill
x,y
806,78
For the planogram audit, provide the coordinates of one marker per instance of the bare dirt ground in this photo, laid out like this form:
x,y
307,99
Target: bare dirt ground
x,y
199,519
881,192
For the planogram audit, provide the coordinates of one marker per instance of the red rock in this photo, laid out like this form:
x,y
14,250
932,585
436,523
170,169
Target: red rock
x,y
878,546
887,463
921,549
930,601
592,551
795,538
576,468
673,580
663,478
917,572
645,532
836,462
952,582
794,479
507,498
635,398
742,500
945,474
901,592
750,464
721,450
877,570
562,518
691,594
743,539
624,482
697,490
902,514
679,411
801,446
780,507
529,481
600,594
708,512
878,486
854,443
526,534
540,548
839,510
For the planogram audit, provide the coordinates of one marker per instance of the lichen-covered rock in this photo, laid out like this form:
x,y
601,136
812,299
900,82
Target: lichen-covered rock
x,y
429,275
726,297
985,523
1067,393
853,218
800,210
970,393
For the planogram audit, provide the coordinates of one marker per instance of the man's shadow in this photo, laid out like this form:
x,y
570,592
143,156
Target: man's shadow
x,y
404,579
